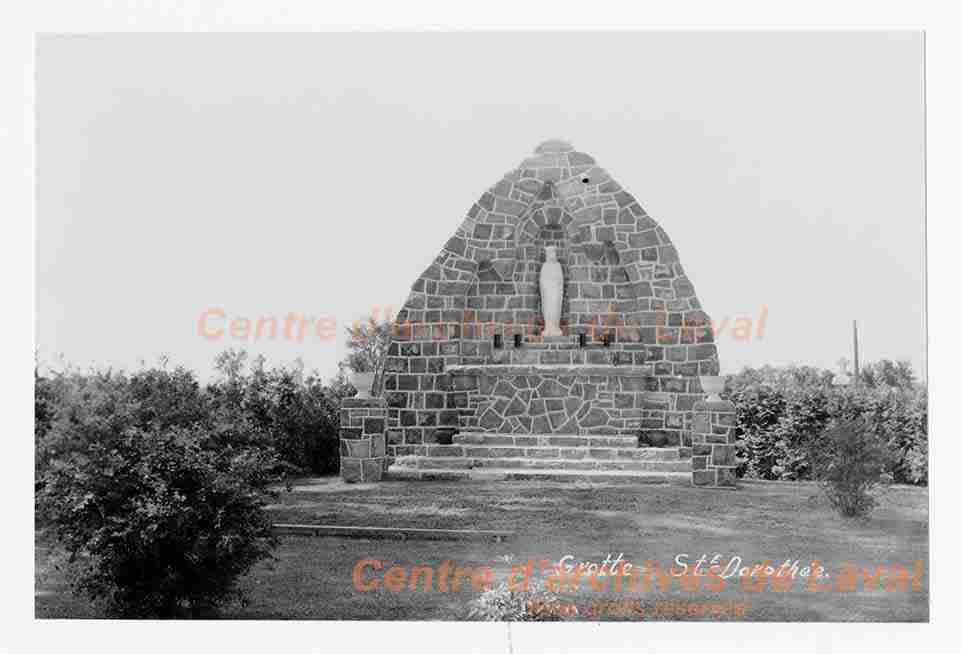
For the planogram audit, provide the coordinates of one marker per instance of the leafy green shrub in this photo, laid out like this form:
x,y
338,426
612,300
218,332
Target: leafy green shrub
x,y
783,412
779,410
155,487
295,414
902,421
886,373
165,522
299,412
79,408
850,461
44,405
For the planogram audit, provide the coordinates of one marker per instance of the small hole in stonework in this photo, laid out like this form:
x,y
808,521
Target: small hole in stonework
x,y
585,179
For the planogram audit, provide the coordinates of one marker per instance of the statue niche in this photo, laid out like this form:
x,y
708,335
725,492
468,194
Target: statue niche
x,y
552,292
543,252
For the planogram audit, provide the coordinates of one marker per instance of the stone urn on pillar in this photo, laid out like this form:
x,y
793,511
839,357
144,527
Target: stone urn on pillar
x,y
363,382
362,374
552,292
713,386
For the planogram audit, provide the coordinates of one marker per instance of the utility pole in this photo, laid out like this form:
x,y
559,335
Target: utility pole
x,y
857,365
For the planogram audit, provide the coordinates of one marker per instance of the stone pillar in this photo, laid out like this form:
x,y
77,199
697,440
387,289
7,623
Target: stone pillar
x,y
713,459
363,423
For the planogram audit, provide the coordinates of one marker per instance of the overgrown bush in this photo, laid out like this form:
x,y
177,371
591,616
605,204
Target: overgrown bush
x,y
783,412
78,408
294,413
850,462
778,412
165,524
157,484
298,411
159,494
903,424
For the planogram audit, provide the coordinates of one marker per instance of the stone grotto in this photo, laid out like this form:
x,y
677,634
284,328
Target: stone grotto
x,y
476,387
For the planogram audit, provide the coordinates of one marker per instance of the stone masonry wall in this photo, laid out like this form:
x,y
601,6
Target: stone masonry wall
x,y
713,460
622,275
363,455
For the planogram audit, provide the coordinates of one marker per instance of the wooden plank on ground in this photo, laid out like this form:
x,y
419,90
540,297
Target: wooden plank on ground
x,y
395,533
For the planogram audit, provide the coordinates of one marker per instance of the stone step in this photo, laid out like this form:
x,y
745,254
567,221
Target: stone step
x,y
505,474
547,452
544,440
469,463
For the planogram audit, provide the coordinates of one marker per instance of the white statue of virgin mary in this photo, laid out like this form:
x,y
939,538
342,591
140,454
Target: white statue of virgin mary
x,y
552,292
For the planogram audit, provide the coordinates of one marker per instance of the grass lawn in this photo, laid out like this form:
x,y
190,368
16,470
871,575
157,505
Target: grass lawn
x,y
312,577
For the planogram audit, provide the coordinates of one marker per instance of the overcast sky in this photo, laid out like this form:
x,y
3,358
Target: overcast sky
x,y
257,175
